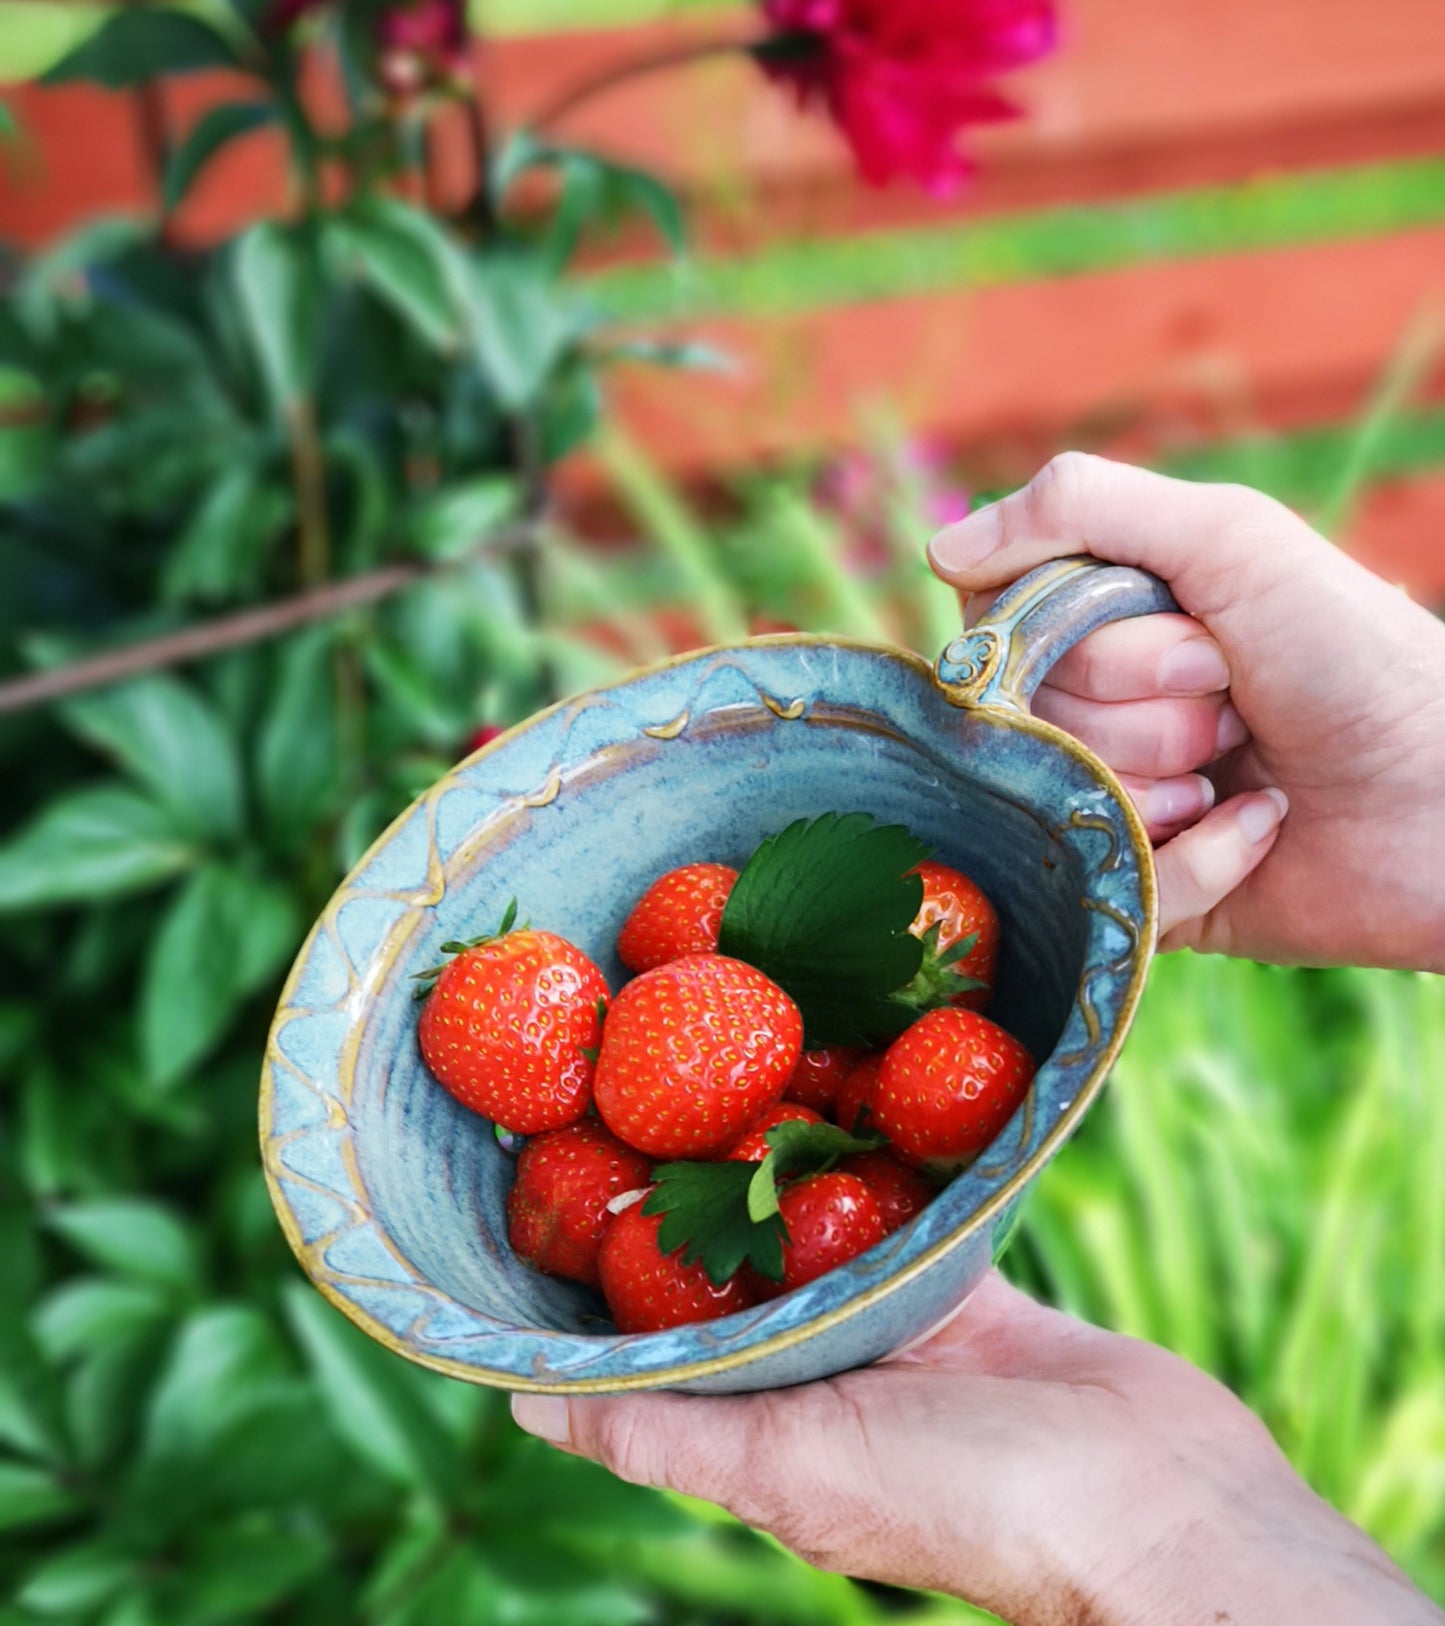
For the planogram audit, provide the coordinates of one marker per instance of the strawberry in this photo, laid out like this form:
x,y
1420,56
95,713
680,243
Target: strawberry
x,y
692,1052
831,1218
899,1191
954,909
511,1026
753,1147
557,1207
948,1085
853,1110
818,1075
648,1290
680,913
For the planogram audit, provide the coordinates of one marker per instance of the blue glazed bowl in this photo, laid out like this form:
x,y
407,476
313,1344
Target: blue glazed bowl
x,y
393,1195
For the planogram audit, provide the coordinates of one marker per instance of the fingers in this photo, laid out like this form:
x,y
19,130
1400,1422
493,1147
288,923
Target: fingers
x,y
1154,739
1167,805
1200,868
1138,660
1202,539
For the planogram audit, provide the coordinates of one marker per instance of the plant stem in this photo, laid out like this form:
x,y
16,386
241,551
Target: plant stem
x,y
673,56
308,474
230,632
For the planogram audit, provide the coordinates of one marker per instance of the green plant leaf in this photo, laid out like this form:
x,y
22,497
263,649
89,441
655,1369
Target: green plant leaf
x,y
706,1215
677,353
823,908
131,1236
239,1571
221,554
796,1149
173,743
372,1400
143,43
31,1496
458,519
210,133
296,761
223,1355
276,289
520,322
32,1413
402,254
100,841
78,1579
224,935
90,1310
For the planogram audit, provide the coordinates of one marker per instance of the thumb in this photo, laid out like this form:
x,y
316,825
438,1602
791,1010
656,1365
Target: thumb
x,y
1204,540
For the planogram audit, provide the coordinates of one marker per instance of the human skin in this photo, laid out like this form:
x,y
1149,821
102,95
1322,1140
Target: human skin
x,y
1055,1473
1335,698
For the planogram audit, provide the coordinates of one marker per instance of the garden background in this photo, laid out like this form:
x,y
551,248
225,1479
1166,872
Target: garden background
x,y
354,459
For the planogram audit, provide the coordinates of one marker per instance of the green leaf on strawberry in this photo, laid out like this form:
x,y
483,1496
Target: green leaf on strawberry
x,y
706,1209
798,1149
824,909
726,1214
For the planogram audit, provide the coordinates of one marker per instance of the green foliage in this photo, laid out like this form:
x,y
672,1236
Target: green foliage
x,y
188,1434
824,908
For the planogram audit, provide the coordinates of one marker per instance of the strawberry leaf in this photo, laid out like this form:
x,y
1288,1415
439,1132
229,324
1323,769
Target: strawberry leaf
x,y
706,1215
796,1149
823,908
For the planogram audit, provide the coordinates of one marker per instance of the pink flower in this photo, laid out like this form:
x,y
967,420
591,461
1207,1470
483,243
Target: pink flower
x,y
903,79
421,46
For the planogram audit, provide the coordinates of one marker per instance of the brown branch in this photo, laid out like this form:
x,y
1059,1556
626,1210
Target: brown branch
x,y
673,56
229,632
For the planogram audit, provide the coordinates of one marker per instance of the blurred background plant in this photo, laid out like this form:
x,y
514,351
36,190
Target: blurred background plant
x,y
295,487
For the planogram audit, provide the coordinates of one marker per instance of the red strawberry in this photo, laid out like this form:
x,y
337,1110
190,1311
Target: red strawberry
x,y
647,1290
831,1218
949,1085
957,907
753,1147
557,1208
855,1095
899,1191
818,1075
508,1027
680,913
692,1052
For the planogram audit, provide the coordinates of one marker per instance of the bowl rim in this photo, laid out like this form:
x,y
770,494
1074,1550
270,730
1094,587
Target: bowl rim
x,y
1140,955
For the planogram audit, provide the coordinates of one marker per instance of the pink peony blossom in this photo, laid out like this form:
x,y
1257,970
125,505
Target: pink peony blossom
x,y
903,79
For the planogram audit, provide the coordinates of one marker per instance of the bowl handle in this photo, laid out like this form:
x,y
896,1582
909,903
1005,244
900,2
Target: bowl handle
x,y
1003,659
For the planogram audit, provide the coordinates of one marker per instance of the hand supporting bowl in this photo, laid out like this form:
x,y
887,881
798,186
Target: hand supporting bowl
x,y
393,1195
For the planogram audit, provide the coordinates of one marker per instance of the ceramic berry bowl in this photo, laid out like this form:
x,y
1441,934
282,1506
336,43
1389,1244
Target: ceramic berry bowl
x,y
393,1195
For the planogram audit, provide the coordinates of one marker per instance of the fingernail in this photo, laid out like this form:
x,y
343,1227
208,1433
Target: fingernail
x,y
1262,814
1233,730
1174,801
962,546
1195,667
542,1415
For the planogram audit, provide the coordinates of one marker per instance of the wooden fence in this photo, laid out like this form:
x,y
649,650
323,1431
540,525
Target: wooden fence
x,y
1137,359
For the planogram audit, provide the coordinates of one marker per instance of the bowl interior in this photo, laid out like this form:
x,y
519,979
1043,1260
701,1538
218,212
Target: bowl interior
x,y
394,1196
436,1175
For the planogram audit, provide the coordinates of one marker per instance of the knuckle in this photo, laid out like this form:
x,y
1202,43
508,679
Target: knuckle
x,y
1062,482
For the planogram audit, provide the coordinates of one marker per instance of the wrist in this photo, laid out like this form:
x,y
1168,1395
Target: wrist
x,y
1274,1555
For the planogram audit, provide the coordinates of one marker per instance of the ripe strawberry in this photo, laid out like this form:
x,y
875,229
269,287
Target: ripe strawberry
x,y
855,1095
692,1052
949,1085
680,913
958,909
508,1027
557,1207
647,1290
753,1147
818,1075
899,1191
831,1218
